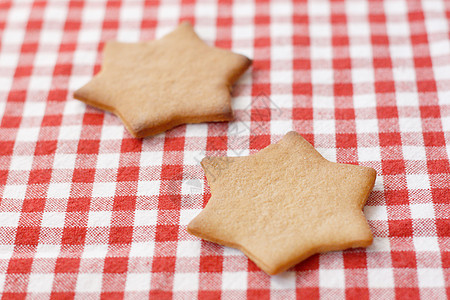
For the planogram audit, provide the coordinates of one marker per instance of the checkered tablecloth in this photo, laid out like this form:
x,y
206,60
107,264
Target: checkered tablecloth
x,y
88,211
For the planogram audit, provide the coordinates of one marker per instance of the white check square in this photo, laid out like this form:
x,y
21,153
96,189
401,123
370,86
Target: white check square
x,y
14,191
331,278
243,10
130,12
358,29
99,218
282,77
167,11
322,76
327,153
323,102
93,13
185,282
189,248
151,158
321,52
207,10
281,8
55,13
234,281
357,8
414,153
84,57
76,107
362,75
397,29
47,251
34,109
429,278
28,134
68,133
5,83
324,127
404,74
148,188
112,132
2,282
283,281
89,35
138,282
40,83
438,48
377,212
318,8
46,59
40,283
142,249
426,243
366,125
369,154
407,98
395,7
21,162
380,278
186,215
401,51
53,219
9,219
128,35
145,217
59,190
89,282
108,161
280,127
361,51
8,60
192,158
364,101
320,30
13,36
282,29
380,244
64,161
422,211
104,189
418,181
95,251
197,130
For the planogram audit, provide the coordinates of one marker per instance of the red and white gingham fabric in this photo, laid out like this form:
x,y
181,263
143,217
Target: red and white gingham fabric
x,y
87,211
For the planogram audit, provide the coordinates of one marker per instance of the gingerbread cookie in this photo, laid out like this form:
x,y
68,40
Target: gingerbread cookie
x,y
154,86
284,204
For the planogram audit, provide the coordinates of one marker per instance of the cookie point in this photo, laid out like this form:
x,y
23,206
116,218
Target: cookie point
x,y
290,136
292,133
80,93
206,162
249,61
194,225
185,24
205,159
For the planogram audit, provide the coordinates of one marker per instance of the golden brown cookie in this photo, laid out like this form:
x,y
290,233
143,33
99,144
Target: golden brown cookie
x,y
284,204
154,86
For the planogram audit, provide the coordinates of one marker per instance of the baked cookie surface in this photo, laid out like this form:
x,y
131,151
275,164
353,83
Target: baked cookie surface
x,y
284,204
157,85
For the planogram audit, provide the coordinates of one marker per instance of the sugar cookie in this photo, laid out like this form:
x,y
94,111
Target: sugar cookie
x,y
154,86
284,204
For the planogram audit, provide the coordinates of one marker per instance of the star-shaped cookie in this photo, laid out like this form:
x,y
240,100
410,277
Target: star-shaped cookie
x,y
284,204
154,86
